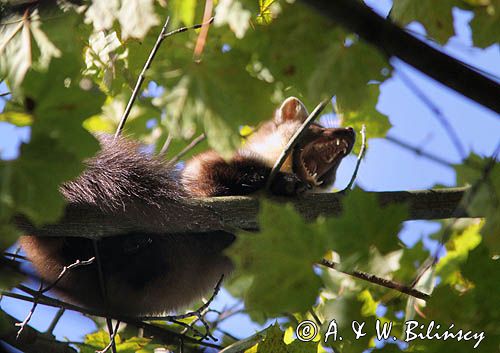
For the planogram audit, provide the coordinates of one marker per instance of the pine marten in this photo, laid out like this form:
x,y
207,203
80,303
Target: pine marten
x,y
151,272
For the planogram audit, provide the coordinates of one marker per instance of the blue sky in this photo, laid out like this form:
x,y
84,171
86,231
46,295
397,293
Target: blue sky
x,y
385,167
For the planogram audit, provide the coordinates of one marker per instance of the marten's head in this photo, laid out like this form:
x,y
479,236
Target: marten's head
x,y
316,157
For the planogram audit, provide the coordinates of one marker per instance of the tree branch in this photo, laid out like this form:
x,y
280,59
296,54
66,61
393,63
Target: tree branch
x,y
394,41
240,212
31,340
163,334
387,283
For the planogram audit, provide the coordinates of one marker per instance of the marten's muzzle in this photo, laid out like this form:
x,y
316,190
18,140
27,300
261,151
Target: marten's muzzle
x,y
318,155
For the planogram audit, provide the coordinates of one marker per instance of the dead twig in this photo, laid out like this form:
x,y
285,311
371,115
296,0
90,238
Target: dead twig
x,y
27,319
43,290
65,270
379,281
167,336
198,313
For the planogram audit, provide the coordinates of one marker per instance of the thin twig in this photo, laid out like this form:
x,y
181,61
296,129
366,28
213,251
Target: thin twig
x,y
188,327
65,270
293,141
27,319
360,157
184,29
4,94
191,313
43,290
165,146
188,148
112,334
227,334
142,77
441,118
162,332
15,256
198,313
104,293
379,281
100,272
55,321
419,151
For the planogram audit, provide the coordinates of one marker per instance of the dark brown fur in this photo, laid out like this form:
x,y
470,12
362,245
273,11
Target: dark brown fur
x,y
144,272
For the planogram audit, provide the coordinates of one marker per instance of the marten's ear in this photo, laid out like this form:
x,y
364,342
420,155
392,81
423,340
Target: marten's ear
x,y
291,109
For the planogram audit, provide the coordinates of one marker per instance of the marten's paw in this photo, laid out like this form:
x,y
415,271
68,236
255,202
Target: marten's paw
x,y
286,184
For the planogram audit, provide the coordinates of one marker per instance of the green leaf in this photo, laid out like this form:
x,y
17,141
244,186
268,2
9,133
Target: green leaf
x,y
136,17
35,43
274,342
52,156
187,11
103,59
9,277
435,16
484,25
8,234
377,124
458,249
364,224
346,71
222,106
473,307
97,340
483,200
345,310
15,51
234,15
283,252
410,261
369,307
17,118
480,263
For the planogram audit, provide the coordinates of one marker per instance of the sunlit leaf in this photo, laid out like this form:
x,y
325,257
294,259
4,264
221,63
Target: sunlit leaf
x,y
483,199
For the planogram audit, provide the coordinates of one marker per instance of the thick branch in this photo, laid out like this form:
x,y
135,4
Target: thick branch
x,y
219,213
394,41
